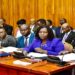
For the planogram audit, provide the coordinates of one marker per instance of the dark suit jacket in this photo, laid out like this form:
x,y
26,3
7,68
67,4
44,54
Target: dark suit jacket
x,y
71,38
54,28
58,34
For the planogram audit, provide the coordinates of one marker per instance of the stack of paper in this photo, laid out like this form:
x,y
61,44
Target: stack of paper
x,y
67,57
33,54
8,49
18,62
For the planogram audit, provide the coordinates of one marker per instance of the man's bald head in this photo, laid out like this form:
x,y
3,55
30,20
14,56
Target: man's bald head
x,y
66,27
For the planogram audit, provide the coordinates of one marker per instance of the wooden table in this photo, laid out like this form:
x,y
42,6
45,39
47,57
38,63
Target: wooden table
x,y
41,68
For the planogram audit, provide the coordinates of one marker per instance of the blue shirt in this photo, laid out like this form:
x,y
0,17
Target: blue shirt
x,y
53,47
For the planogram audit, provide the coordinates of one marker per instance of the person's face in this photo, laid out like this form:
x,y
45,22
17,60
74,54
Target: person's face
x,y
62,21
48,23
65,29
38,23
43,33
1,22
24,30
2,33
32,22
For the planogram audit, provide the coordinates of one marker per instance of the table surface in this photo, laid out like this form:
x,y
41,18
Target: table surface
x,y
41,67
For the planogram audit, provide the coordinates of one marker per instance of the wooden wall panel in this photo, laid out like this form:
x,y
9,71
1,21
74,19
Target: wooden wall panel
x,y
73,13
12,10
5,6
0,8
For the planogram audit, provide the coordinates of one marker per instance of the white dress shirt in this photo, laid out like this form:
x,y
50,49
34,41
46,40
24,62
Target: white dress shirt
x,y
65,36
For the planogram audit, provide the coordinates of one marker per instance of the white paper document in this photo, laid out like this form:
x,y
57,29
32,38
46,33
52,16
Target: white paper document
x,y
33,54
18,62
8,49
67,57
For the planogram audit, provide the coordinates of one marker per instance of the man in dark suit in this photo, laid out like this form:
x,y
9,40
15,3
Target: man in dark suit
x,y
8,28
50,24
68,34
59,28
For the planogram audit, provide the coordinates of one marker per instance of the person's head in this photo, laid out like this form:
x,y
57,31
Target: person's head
x,y
62,21
2,33
2,22
44,32
32,21
41,22
65,27
21,21
25,30
49,22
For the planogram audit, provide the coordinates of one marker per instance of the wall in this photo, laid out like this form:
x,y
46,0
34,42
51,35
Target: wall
x,y
12,10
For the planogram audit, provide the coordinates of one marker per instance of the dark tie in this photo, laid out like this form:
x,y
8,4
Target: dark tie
x,y
26,41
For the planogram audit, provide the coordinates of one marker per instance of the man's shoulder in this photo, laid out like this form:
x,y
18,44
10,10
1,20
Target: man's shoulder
x,y
72,33
20,37
32,34
10,36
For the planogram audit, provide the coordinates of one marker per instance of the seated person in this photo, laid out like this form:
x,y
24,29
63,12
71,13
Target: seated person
x,y
32,24
17,31
50,24
6,40
68,34
38,23
45,42
8,28
26,38
59,28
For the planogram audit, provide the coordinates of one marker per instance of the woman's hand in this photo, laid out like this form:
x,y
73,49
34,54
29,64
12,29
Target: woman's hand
x,y
40,50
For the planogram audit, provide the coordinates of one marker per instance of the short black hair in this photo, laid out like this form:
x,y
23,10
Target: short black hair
x,y
50,22
50,32
62,21
42,21
21,21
